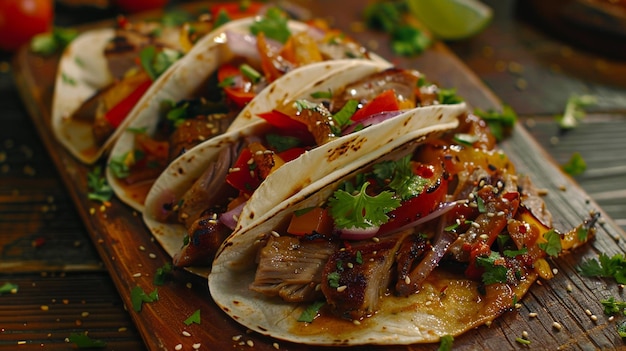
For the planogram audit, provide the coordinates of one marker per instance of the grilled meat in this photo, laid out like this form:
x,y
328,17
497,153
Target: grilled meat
x,y
196,130
292,268
206,234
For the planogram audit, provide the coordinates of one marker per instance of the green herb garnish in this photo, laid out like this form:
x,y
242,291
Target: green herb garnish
x,y
194,318
445,343
83,341
309,313
361,210
605,267
273,25
52,42
138,297
494,272
553,245
575,166
100,190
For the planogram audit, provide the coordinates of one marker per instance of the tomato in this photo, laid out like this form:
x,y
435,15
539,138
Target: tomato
x,y
132,6
20,20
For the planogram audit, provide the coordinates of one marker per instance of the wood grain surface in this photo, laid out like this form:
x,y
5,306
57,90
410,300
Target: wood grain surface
x,y
130,256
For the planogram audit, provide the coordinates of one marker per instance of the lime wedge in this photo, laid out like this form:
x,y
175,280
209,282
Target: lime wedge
x,y
451,19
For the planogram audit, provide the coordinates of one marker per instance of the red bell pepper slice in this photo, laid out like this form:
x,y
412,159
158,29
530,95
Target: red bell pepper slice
x,y
384,102
291,154
236,94
118,113
241,177
421,205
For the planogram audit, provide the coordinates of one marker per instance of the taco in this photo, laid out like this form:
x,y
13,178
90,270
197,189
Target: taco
x,y
103,73
202,196
214,84
430,239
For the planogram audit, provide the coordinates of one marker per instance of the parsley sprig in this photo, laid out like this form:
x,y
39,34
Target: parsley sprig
x,y
605,267
99,189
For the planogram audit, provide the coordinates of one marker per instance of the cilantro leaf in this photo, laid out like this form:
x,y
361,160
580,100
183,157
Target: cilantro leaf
x,y
605,267
309,313
273,25
82,340
282,142
333,279
612,306
155,63
100,190
575,166
342,117
621,329
500,123
193,318
405,182
361,210
384,170
52,42
161,273
445,343
553,245
138,297
494,272
448,96
407,40
8,288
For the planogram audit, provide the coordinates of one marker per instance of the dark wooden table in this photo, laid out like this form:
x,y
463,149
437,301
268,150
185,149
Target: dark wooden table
x,y
63,286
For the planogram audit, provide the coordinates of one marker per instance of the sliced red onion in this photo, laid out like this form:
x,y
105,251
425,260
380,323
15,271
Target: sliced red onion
x,y
439,211
371,120
358,233
230,218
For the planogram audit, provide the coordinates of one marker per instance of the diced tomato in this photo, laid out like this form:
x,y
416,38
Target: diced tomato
x,y
421,205
291,154
241,177
236,10
316,220
118,113
238,94
384,102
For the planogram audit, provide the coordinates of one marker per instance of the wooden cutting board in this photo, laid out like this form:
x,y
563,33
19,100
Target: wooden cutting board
x,y
132,257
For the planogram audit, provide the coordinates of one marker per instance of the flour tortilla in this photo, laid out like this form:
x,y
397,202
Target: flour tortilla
x,y
420,318
294,179
193,70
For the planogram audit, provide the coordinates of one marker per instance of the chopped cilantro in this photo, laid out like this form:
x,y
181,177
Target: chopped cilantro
x,y
384,170
611,306
574,110
605,267
155,63
83,341
282,142
500,123
138,297
480,203
100,190
161,273
221,18
309,313
448,96
8,288
514,253
67,79
52,42
193,318
445,343
361,210
302,105
621,329
333,279
250,73
120,166
405,182
494,272
406,39
575,166
553,245
359,257
273,25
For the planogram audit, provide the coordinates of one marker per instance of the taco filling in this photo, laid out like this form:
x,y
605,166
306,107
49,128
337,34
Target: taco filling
x,y
266,53
452,215
213,203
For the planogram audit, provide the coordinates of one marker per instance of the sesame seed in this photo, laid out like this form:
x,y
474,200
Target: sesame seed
x,y
375,239
250,161
500,213
184,215
137,275
237,337
555,271
122,329
196,346
532,314
475,225
407,280
518,306
490,214
188,285
21,342
84,314
588,312
594,317
611,318
275,234
525,334
44,307
356,322
234,169
557,325
484,236
342,288
259,153
250,343
178,347
350,265
186,333
151,255
276,346
236,218
142,248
